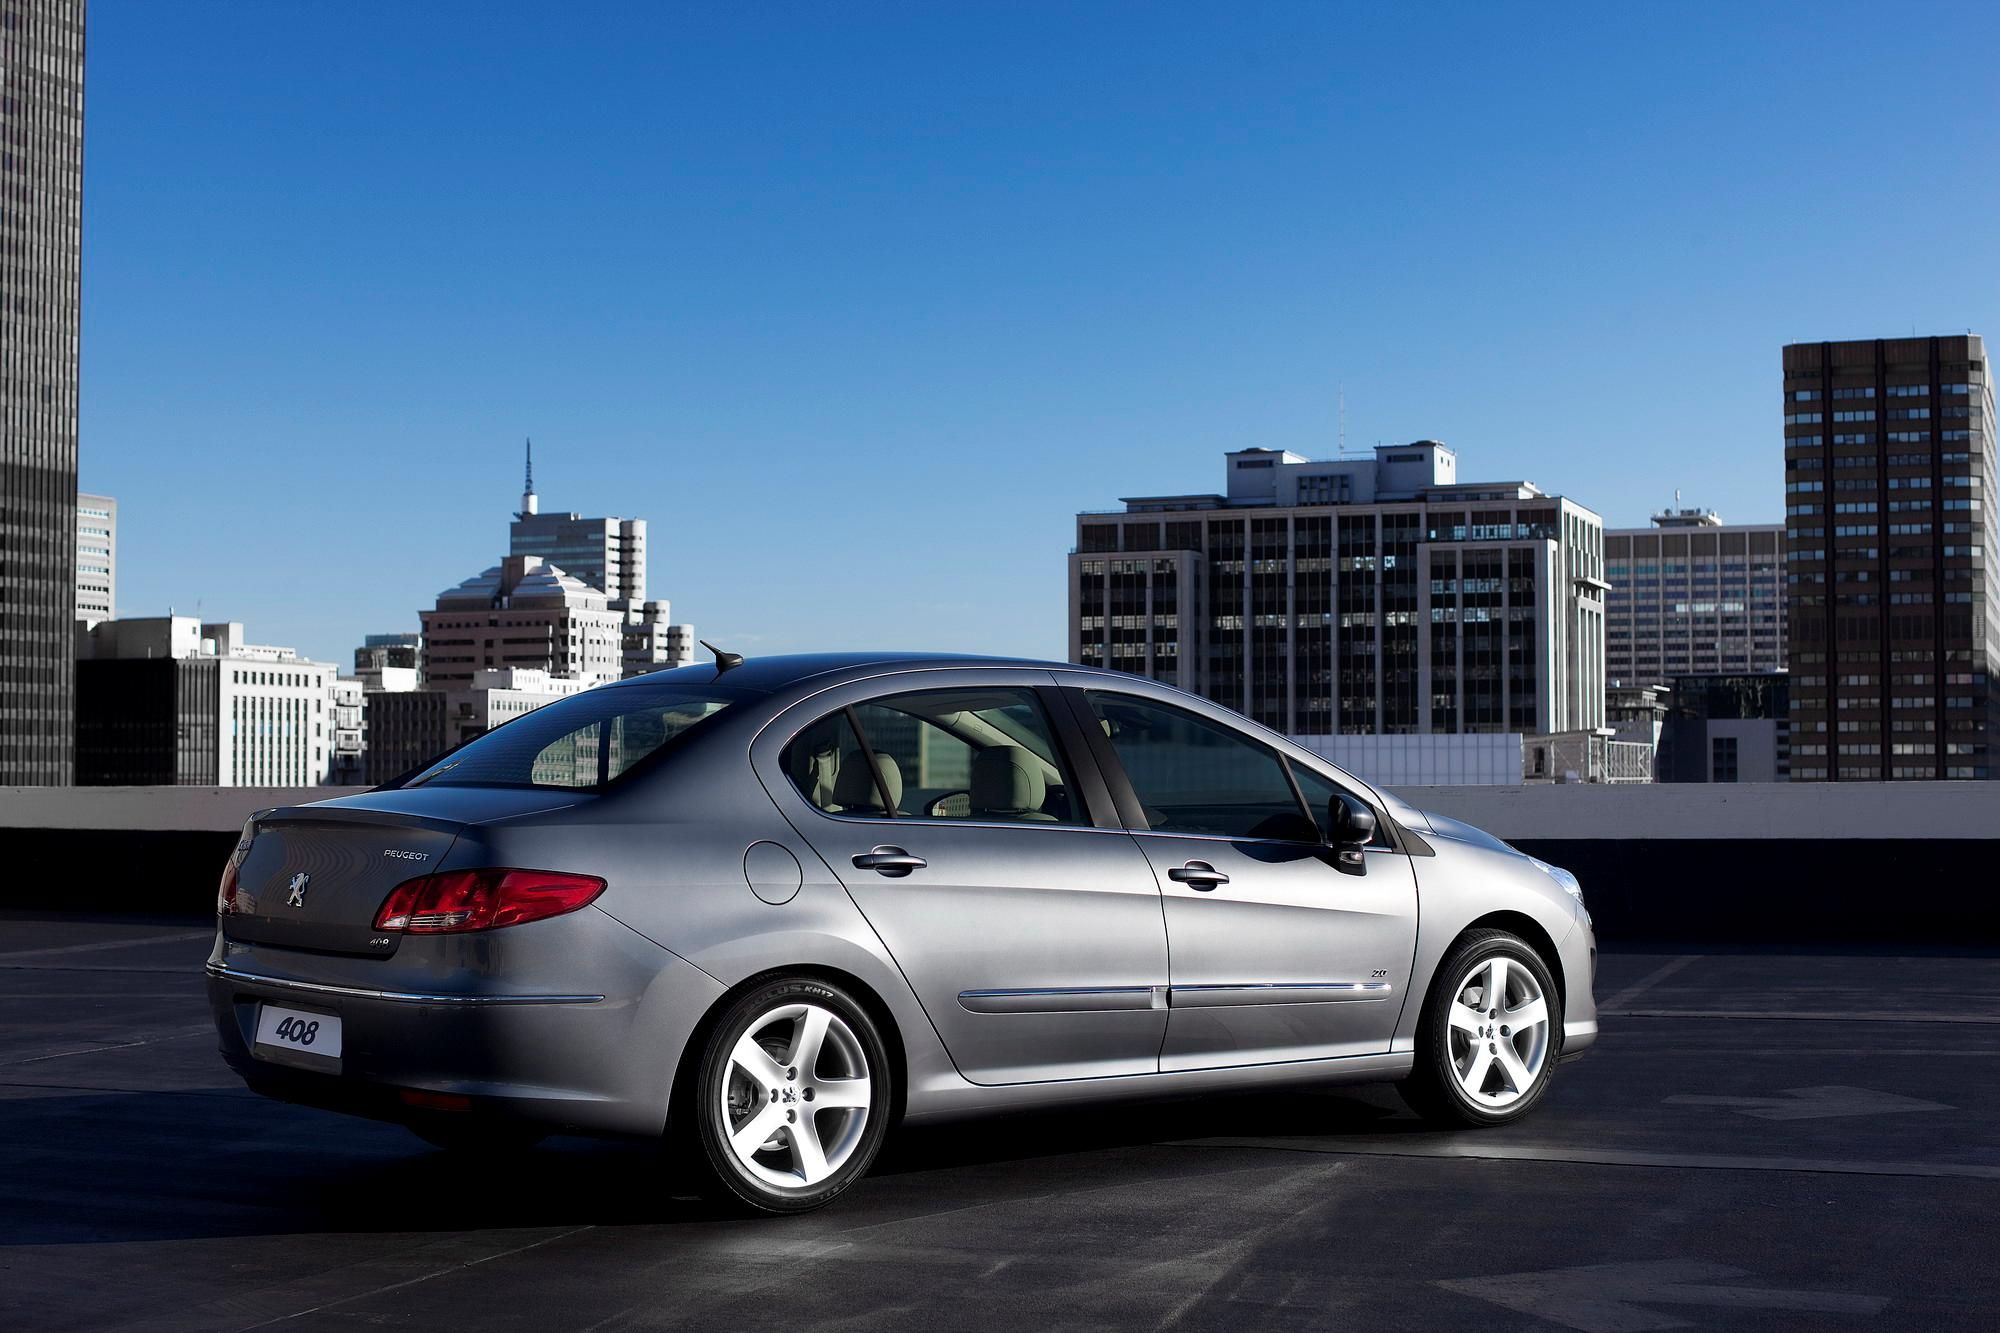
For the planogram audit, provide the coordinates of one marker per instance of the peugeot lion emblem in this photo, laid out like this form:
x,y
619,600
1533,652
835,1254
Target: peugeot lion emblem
x,y
297,896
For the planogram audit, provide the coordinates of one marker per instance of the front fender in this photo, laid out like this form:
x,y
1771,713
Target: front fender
x,y
1466,884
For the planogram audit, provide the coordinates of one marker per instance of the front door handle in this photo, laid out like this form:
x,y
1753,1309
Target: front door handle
x,y
891,861
1199,875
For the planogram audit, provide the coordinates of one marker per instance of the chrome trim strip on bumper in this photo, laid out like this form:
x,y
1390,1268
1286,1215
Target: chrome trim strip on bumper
x,y
227,973
1282,992
1062,999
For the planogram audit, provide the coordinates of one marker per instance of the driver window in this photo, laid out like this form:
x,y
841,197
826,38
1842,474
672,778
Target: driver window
x,y
1192,775
981,755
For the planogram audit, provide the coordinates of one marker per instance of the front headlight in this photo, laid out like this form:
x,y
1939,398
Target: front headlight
x,y
1562,877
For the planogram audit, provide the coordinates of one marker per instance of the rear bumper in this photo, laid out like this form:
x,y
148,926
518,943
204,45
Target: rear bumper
x,y
597,1059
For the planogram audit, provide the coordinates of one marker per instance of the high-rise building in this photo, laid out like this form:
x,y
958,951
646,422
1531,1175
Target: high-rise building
x,y
534,611
1693,594
524,613
1377,595
96,558
41,223
609,554
174,700
1895,634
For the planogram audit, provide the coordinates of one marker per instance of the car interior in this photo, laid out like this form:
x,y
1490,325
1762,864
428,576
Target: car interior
x,y
984,756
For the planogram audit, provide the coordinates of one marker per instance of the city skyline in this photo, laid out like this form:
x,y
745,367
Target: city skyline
x,y
324,307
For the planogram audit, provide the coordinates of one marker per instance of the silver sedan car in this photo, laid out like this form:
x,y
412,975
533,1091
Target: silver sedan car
x,y
769,909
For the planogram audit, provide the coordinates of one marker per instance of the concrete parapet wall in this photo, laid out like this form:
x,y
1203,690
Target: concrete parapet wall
x,y
1895,864
1874,811
178,809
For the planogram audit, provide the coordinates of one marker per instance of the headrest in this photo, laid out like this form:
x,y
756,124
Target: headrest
x,y
853,791
1006,779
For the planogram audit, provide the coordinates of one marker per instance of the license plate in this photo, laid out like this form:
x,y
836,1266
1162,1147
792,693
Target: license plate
x,y
298,1031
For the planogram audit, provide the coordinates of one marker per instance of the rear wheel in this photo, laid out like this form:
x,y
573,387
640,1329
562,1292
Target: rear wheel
x,y
1489,1036
790,1106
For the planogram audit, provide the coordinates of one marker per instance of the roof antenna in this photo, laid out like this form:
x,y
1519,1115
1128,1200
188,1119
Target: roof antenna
x,y
723,661
530,504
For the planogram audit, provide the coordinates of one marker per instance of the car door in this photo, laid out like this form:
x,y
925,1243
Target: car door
x,y
986,854
1278,952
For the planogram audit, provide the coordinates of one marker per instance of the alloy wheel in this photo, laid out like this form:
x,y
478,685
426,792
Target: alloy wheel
x,y
796,1097
1499,1032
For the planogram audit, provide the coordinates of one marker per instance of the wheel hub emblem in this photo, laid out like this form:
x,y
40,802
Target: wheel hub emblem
x,y
791,1094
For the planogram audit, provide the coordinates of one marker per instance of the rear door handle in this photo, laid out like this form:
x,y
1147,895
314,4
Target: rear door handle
x,y
891,861
1199,875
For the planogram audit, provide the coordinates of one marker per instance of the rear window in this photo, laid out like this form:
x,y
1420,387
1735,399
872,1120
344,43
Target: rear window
x,y
580,743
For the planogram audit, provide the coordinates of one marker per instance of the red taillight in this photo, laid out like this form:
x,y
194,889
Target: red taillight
x,y
225,893
459,900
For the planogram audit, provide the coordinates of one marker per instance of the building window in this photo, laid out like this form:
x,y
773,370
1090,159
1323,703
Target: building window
x,y
1722,759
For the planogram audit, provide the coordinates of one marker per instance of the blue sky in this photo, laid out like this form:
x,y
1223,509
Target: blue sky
x,y
859,304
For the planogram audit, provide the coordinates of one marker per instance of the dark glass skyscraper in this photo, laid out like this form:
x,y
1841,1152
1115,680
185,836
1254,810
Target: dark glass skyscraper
x,y
1895,636
41,195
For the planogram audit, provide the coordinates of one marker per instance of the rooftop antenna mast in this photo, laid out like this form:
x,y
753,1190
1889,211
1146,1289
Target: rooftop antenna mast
x,y
1341,449
529,503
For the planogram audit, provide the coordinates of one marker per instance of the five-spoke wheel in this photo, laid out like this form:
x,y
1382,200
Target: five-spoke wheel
x,y
1489,1035
791,1105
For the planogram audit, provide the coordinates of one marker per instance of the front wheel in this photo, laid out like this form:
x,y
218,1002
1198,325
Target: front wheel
x,y
1489,1036
791,1104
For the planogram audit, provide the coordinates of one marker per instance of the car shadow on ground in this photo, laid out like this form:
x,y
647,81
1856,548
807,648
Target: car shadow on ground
x,y
117,1167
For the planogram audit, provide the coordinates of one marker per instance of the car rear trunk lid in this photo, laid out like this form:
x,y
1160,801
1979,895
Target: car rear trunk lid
x,y
315,876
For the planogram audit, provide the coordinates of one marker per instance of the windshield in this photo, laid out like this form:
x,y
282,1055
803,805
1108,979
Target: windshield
x,y
579,743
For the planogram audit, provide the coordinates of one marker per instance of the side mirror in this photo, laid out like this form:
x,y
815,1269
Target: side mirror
x,y
1353,825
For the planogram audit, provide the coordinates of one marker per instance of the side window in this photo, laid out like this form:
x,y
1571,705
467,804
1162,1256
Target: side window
x,y
1318,791
985,755
826,763
1192,775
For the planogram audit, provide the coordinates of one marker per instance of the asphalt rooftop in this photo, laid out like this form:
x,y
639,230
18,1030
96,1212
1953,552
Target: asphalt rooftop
x,y
1759,1141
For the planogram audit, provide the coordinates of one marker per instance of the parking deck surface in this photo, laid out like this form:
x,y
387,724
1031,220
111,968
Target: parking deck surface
x,y
1759,1141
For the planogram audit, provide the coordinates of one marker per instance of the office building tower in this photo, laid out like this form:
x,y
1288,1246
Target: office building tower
x,y
1894,632
524,613
96,558
174,700
608,554
41,190
1693,594
1378,595
534,611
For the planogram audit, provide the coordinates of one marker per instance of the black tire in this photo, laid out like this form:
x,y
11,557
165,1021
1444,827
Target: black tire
x,y
720,1174
1433,1089
473,1136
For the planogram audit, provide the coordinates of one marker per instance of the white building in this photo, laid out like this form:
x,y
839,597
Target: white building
x,y
96,558
176,699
